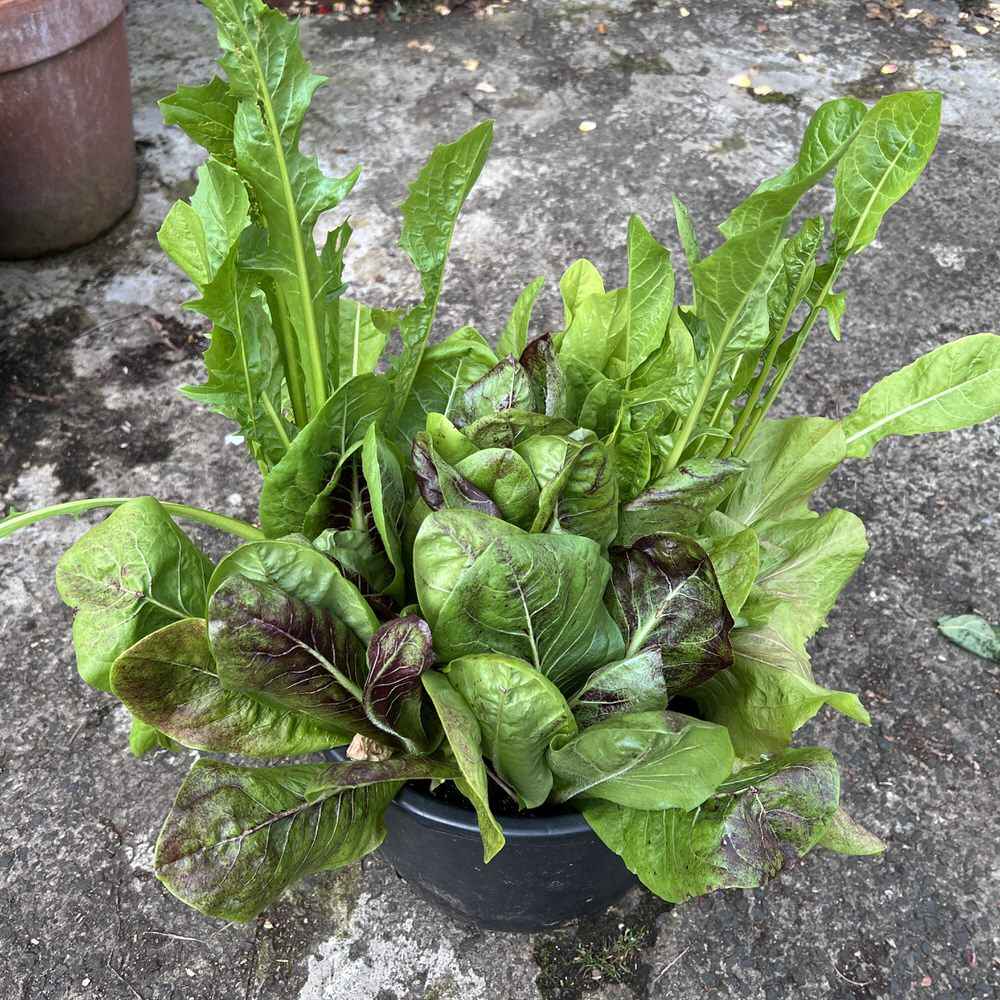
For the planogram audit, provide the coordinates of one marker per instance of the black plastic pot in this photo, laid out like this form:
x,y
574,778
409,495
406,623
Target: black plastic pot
x,y
552,870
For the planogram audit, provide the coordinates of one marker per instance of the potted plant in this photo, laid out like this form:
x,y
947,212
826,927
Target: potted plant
x,y
558,593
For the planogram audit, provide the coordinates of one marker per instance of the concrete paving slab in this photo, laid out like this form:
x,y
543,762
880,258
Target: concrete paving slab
x,y
94,341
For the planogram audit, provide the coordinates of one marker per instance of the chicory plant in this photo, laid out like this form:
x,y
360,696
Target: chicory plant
x,y
582,566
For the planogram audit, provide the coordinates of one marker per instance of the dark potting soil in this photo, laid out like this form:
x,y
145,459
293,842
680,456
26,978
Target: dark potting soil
x,y
501,804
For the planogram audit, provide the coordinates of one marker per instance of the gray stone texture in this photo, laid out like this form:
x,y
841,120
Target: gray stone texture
x,y
94,341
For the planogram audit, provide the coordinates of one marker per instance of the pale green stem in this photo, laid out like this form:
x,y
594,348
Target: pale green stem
x,y
73,507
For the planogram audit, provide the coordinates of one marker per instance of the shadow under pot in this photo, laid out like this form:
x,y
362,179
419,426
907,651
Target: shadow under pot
x,y
553,868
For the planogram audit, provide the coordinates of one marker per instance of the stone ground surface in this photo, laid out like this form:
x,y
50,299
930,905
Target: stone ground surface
x,y
95,340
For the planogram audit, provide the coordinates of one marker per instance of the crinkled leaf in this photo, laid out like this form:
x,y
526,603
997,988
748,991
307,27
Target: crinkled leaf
x,y
889,153
644,760
464,736
486,586
769,691
671,375
169,681
507,429
761,819
973,633
514,338
633,460
680,500
735,554
506,386
519,713
664,595
804,565
359,773
206,114
795,279
632,685
237,837
955,385
442,486
128,576
827,138
429,216
507,478
292,487
447,440
788,460
399,652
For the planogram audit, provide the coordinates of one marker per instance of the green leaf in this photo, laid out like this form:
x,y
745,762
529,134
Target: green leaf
x,y
271,645
686,232
889,153
506,386
548,381
797,276
804,565
507,429
672,373
206,114
237,837
599,321
769,692
274,84
429,216
514,338
955,385
739,839
633,463
142,738
292,566
650,296
464,736
788,460
441,486
169,681
735,555
519,713
506,477
846,836
358,773
362,340
732,286
579,281
313,460
445,371
398,654
664,595
578,486
128,576
632,685
973,633
644,760
387,496
680,500
827,138
447,440
485,586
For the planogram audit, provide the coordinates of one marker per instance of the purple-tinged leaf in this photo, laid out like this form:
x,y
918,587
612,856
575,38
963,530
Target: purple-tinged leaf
x,y
399,652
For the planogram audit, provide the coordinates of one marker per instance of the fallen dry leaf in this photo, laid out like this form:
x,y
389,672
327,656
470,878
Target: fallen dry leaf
x,y
980,29
602,28
683,11
912,12
587,126
784,3
763,90
486,87
958,51
876,12
888,69
471,64
926,981
740,80
805,57
442,9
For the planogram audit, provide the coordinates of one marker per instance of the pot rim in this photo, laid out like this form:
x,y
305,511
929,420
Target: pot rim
x,y
431,810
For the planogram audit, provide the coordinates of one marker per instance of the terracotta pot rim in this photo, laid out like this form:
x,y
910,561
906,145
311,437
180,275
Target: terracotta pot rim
x,y
32,31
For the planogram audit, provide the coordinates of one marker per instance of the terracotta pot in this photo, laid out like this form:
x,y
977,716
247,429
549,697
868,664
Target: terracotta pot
x,y
67,152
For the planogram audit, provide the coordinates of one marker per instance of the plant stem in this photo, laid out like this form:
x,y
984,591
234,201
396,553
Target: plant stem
x,y
73,507
699,404
288,349
801,335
